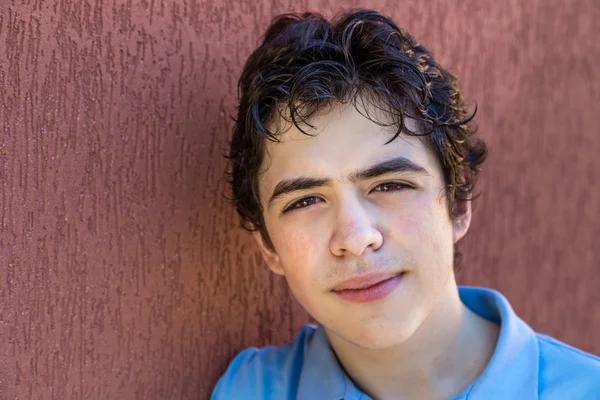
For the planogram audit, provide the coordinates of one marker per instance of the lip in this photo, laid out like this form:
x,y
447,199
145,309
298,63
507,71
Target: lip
x,y
364,281
368,288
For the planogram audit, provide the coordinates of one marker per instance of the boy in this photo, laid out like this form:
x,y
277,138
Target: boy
x,y
354,163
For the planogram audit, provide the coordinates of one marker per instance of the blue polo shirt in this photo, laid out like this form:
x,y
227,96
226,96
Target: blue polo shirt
x,y
525,365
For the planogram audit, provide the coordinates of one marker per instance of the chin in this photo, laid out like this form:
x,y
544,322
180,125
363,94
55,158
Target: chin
x,y
376,338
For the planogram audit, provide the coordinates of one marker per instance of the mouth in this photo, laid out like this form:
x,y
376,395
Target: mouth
x,y
368,288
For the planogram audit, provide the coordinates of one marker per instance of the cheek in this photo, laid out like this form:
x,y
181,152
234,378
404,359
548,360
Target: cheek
x,y
296,242
297,248
298,252
412,228
425,232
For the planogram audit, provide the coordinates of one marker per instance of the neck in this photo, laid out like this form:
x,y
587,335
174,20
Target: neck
x,y
441,359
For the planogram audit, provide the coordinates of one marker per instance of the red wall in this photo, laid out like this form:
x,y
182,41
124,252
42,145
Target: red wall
x,y
123,274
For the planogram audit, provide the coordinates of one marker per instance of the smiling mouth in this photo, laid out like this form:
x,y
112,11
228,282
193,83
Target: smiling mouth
x,y
367,289
365,281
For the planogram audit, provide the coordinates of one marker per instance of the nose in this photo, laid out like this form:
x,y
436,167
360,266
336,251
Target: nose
x,y
355,229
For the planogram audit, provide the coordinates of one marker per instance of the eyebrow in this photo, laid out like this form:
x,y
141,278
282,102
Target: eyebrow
x,y
399,164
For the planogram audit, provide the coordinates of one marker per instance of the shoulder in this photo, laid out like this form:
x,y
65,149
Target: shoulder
x,y
567,372
267,373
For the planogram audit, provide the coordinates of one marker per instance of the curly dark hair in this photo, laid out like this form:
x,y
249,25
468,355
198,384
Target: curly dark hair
x,y
306,63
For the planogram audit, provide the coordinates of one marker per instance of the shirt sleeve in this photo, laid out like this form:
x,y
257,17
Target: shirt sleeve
x,y
240,379
567,372
269,373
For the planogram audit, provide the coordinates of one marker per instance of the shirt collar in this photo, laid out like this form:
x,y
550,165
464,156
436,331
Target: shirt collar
x,y
511,373
322,372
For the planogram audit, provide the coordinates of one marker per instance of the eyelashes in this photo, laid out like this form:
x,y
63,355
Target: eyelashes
x,y
391,187
384,187
303,203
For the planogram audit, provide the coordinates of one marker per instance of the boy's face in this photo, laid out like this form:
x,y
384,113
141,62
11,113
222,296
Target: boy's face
x,y
343,219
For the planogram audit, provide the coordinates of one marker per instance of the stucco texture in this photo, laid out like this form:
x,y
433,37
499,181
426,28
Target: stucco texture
x,y
123,272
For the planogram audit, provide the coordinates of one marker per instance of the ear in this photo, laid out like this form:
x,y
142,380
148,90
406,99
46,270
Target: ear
x,y
462,219
269,255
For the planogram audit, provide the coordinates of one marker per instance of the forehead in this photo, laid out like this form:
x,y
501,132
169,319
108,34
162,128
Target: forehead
x,y
341,141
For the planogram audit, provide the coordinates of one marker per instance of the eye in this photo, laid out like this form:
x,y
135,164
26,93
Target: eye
x,y
302,203
391,187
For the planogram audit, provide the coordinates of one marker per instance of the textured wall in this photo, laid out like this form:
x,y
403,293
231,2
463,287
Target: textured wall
x,y
123,274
